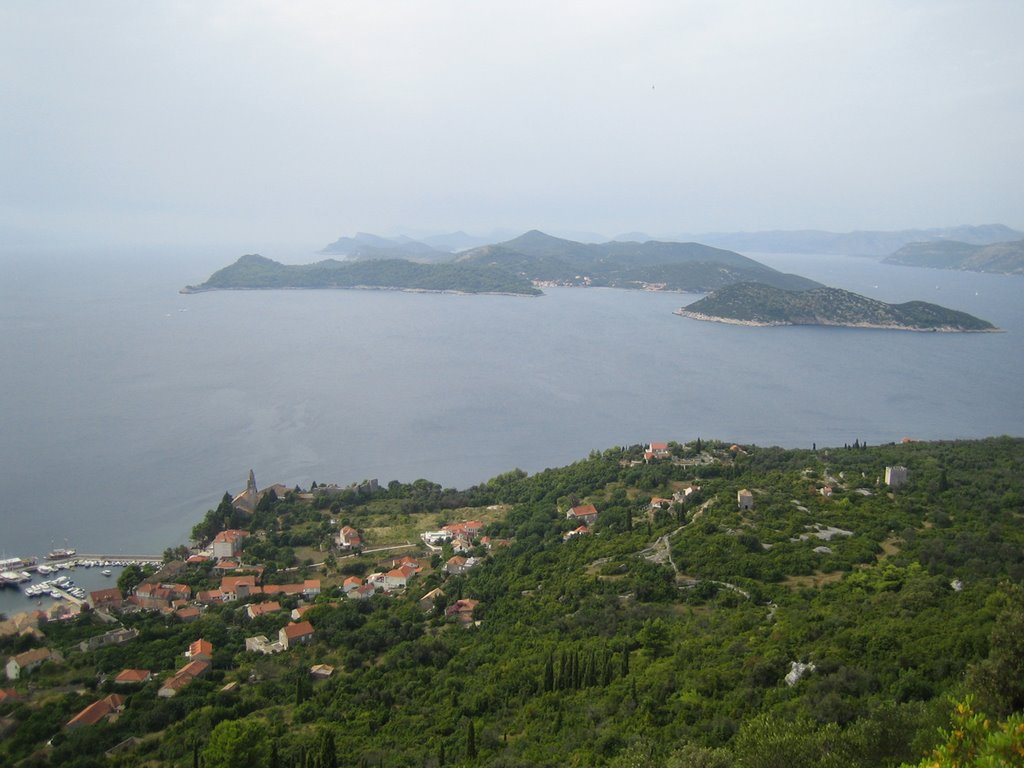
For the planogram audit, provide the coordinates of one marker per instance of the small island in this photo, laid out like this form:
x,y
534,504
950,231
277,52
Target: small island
x,y
758,304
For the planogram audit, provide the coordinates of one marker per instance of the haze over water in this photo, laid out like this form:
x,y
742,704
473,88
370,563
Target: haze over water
x,y
129,409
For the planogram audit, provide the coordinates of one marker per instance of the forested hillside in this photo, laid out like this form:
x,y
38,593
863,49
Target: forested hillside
x,y
832,623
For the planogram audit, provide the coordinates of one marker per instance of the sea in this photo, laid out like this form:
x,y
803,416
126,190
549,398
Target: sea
x,y
128,409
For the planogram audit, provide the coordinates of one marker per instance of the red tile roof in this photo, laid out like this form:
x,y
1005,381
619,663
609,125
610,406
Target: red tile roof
x,y
133,676
194,669
298,630
200,648
96,711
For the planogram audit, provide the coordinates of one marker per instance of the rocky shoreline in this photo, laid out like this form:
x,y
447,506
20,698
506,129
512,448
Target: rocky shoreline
x,y
683,312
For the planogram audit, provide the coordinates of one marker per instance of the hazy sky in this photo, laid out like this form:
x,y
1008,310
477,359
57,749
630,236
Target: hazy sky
x,y
292,123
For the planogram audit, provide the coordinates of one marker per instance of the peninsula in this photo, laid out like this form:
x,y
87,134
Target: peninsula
x,y
758,304
1000,258
255,272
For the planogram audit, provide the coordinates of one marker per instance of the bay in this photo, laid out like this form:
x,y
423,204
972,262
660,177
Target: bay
x,y
129,409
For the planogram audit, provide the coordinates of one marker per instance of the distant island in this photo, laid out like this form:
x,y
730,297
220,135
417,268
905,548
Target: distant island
x,y
868,243
1001,258
522,266
758,304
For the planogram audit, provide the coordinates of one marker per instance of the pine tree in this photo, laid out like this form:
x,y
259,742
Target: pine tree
x,y
549,673
625,661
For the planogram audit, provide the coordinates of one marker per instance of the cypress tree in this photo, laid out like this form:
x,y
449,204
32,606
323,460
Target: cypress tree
x,y
471,741
549,673
328,751
625,661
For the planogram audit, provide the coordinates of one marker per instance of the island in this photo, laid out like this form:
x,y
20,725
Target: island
x,y
1000,258
520,266
759,304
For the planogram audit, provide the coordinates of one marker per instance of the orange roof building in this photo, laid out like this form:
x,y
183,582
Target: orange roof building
x,y
96,711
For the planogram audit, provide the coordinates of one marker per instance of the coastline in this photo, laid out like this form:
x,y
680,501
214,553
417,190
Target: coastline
x,y
683,312
191,289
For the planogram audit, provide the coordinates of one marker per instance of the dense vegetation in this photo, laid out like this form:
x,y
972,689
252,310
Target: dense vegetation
x,y
763,304
254,271
664,638
1004,258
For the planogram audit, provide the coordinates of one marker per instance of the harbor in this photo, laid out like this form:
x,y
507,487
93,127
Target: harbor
x,y
29,584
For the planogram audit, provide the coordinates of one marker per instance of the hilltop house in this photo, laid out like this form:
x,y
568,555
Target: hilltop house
x,y
133,677
255,610
228,543
295,634
462,611
428,601
92,714
200,650
349,537
459,564
581,531
585,513
184,676
28,661
105,599
657,451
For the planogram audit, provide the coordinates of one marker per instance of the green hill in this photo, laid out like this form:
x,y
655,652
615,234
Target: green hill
x,y
654,265
1002,258
757,304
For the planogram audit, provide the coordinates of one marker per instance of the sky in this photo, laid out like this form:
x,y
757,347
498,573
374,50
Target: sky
x,y
288,124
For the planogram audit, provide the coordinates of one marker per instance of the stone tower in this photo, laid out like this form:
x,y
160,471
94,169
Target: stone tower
x,y
247,499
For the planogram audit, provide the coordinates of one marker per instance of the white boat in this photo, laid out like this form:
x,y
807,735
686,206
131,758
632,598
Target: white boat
x,y
45,569
106,572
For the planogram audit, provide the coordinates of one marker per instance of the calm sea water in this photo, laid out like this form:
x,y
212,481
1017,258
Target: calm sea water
x,y
128,409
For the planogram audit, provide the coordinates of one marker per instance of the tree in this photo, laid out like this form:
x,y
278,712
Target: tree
x,y
998,681
972,741
238,744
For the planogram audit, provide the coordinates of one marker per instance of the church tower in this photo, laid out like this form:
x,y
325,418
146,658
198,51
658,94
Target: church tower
x,y
247,499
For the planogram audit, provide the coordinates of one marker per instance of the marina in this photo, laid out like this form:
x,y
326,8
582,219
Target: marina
x,y
66,581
